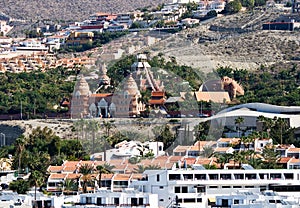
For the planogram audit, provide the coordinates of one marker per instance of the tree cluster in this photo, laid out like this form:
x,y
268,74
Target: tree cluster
x,y
36,91
266,85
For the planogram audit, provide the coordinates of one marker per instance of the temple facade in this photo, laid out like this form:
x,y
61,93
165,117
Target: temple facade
x,y
122,103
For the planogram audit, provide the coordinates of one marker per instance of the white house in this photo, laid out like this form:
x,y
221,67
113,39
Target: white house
x,y
127,198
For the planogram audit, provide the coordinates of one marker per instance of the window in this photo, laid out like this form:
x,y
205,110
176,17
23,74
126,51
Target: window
x,y
236,201
187,176
199,200
116,201
161,200
51,184
213,176
157,177
184,189
134,202
141,200
161,187
174,177
99,201
225,176
189,200
200,176
88,200
179,189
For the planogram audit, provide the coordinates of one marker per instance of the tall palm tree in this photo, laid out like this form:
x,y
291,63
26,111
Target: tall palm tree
x,y
36,179
86,170
281,122
20,143
103,169
93,126
108,125
238,121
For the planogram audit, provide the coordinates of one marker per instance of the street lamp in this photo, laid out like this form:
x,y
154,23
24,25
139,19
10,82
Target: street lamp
x,y
2,139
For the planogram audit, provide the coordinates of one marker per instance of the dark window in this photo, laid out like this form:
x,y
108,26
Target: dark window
x,y
184,189
189,200
161,187
263,176
275,175
134,202
225,176
174,177
251,176
161,200
47,204
141,200
199,200
187,176
236,201
200,176
88,200
157,177
177,189
237,187
225,187
213,176
99,201
116,201
288,176
39,204
51,184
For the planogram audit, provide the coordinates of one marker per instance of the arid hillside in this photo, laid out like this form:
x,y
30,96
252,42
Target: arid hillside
x,y
237,41
68,9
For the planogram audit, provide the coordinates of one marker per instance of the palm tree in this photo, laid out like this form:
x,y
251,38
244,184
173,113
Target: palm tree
x,y
93,126
86,170
139,169
281,122
79,126
20,143
105,169
70,186
200,133
152,167
36,179
238,157
207,151
222,159
238,121
109,167
108,125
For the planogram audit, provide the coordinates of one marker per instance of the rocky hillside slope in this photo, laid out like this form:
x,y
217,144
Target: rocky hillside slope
x,y
68,9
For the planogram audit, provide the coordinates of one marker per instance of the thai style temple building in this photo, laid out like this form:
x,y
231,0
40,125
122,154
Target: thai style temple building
x,y
122,103
125,101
